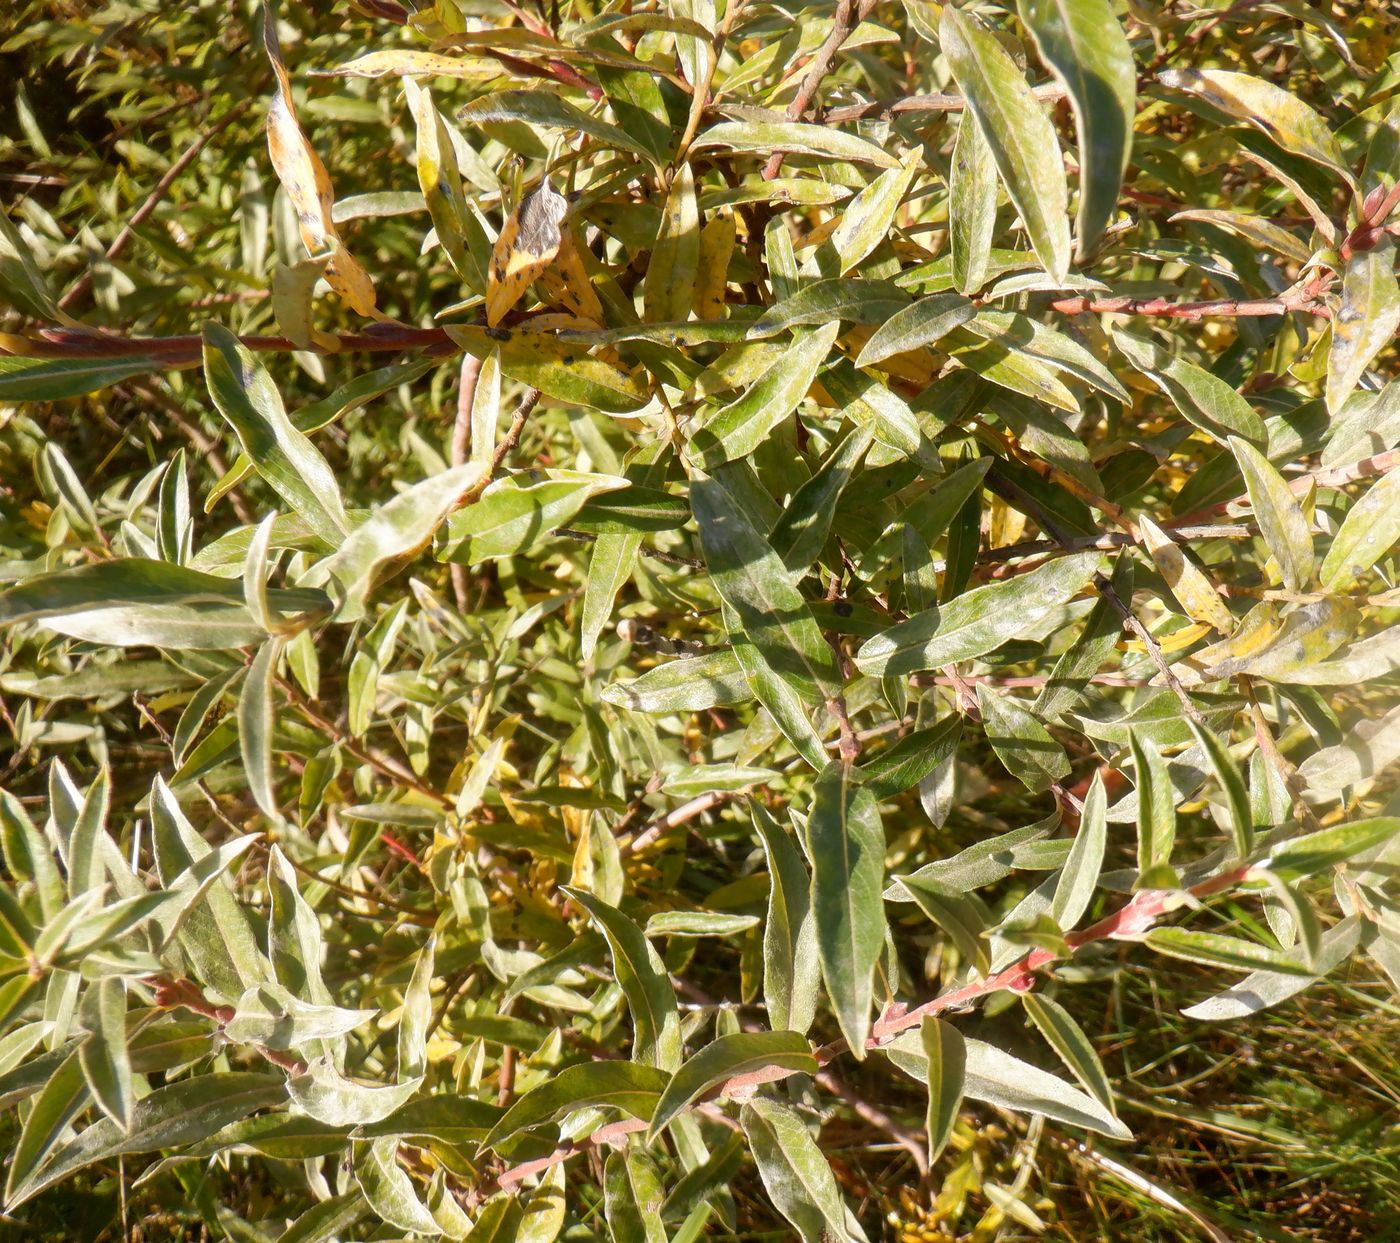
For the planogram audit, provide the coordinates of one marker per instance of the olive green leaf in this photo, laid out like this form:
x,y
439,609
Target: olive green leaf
x,y
1022,140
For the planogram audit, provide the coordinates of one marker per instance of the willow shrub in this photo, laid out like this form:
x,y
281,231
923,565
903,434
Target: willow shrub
x,y
916,530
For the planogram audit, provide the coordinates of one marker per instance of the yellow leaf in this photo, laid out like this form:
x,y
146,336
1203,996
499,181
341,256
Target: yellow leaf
x,y
525,249
566,282
308,186
1195,592
716,250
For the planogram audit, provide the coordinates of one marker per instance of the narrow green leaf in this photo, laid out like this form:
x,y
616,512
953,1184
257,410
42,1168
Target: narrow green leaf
x,y
675,257
1313,852
1080,876
388,1189
547,110
792,138
740,427
688,684
977,621
1204,399
916,326
255,721
1368,532
1068,1040
1156,805
1365,321
946,1058
794,1171
417,1015
791,972
1021,137
800,534
846,848
1085,47
629,1087
170,1117
390,536
1280,518
1022,743
752,580
972,206
103,1053
643,980
247,398
1232,783
53,379
632,1197
1273,111
515,513
1217,950
728,1057
911,759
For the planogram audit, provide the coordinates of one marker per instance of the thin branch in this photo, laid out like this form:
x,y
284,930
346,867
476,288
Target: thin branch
x,y
849,14
884,109
1154,649
1167,308
683,814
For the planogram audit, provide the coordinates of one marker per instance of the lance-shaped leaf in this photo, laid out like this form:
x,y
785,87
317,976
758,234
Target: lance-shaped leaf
x,y
1193,590
1367,752
1080,877
388,1189
972,206
131,602
629,1087
846,848
1087,50
392,535
1280,518
170,1117
911,759
293,466
800,534
1156,805
792,138
441,183
1270,109
633,1195
1203,399
846,298
675,258
753,581
255,722
1214,949
791,972
945,1057
794,1170
732,1056
643,980
547,110
977,621
688,684
325,1094
1369,531
1261,989
1021,137
103,1054
998,1078
1068,1040
515,513
916,326
1365,320
866,219
1070,677
1021,742
51,379
740,427
1227,772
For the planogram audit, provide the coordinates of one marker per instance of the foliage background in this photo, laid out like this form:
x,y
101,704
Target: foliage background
x,y
445,763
